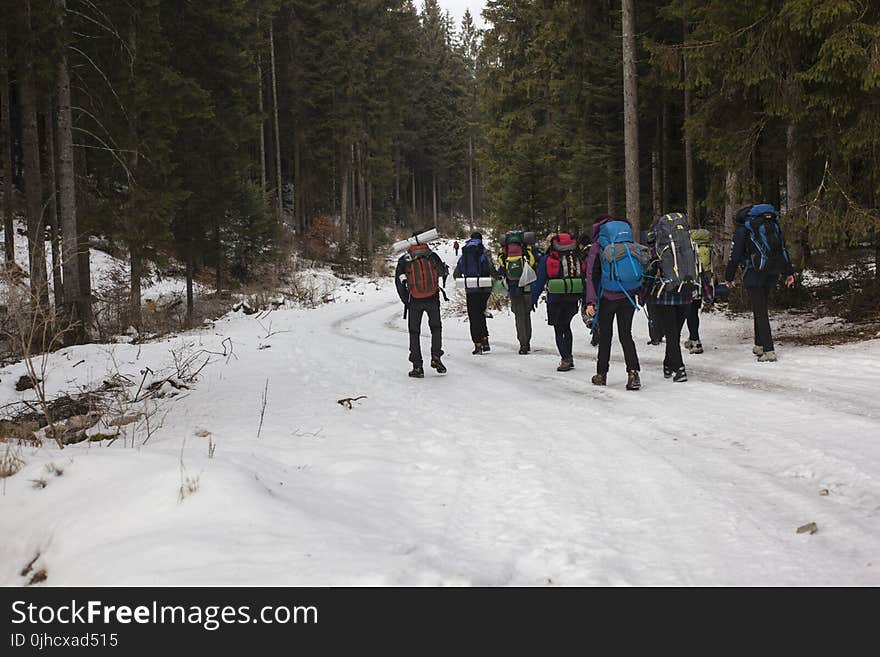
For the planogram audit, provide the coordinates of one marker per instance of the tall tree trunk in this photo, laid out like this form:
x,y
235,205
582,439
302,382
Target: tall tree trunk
x,y
77,305
31,156
471,177
51,205
279,198
190,267
434,190
414,208
137,269
261,108
609,197
369,186
664,157
630,113
732,200
688,146
655,172
795,195
6,149
343,190
299,219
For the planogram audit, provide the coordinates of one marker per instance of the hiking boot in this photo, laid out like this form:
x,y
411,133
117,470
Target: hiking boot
x,y
633,381
697,347
565,365
767,357
758,350
667,372
438,365
688,344
599,379
486,346
594,341
523,351
478,348
653,342
680,376
417,372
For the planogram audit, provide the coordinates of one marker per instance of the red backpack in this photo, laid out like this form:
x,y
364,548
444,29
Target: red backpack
x,y
422,275
565,268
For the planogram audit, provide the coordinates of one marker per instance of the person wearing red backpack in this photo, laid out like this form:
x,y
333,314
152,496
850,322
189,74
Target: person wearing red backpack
x,y
561,272
417,279
455,247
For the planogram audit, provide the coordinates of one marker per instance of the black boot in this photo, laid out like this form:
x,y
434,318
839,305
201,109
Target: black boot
x,y
478,348
667,372
485,345
680,376
523,351
633,381
599,379
437,364
417,372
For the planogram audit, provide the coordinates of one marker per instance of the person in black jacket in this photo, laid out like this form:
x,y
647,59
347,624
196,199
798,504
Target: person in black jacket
x,y
758,282
416,306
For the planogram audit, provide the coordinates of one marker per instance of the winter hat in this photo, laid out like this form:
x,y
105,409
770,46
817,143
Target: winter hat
x,y
476,236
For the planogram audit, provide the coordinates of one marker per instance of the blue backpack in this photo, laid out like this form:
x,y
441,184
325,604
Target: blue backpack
x,y
623,261
473,262
762,227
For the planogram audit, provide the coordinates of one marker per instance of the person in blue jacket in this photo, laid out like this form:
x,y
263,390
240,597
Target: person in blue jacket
x,y
761,269
475,265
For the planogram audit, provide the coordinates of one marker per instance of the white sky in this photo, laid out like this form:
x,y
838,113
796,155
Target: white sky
x,y
457,7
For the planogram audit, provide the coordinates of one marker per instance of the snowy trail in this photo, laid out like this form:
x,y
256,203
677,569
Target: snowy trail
x,y
502,472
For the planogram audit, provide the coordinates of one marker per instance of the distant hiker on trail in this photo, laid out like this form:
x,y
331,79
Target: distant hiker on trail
x,y
475,272
655,330
702,240
759,246
676,277
417,278
455,247
517,263
615,270
561,271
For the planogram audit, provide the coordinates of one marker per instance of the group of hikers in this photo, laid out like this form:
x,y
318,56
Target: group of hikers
x,y
606,276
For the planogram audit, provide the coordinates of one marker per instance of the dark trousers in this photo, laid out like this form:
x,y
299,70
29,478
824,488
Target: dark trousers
x,y
693,320
559,315
672,319
521,306
655,328
759,296
476,310
431,307
624,311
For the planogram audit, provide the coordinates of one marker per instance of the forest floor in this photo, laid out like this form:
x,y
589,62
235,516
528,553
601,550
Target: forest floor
x,y
501,472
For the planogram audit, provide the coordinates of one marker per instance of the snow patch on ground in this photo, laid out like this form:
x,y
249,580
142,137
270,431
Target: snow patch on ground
x,y
501,472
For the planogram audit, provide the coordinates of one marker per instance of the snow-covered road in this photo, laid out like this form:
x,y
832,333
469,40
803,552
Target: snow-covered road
x,y
501,472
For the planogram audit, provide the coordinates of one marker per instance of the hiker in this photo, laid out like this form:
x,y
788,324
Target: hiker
x,y
476,271
455,247
516,264
675,277
561,271
705,292
655,330
615,270
584,242
417,278
759,246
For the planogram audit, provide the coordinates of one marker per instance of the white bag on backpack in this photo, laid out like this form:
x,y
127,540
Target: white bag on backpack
x,y
528,276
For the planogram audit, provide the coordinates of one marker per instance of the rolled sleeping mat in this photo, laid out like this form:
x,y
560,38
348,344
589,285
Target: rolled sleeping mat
x,y
421,238
474,283
528,238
